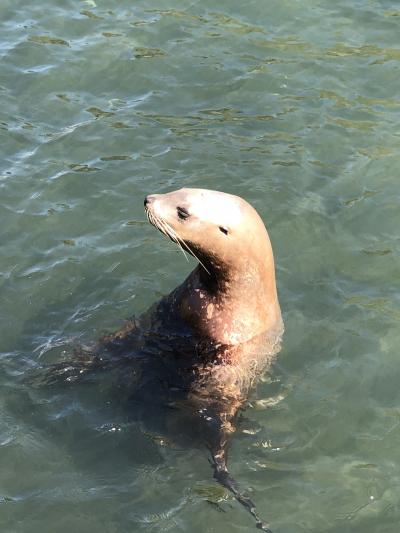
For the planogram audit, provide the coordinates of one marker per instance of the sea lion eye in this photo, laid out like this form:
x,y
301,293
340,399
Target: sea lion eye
x,y
224,230
183,213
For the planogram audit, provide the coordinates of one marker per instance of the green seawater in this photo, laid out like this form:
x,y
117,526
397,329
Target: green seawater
x,y
294,105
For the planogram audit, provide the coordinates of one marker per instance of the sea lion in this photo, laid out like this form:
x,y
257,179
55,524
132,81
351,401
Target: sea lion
x,y
229,303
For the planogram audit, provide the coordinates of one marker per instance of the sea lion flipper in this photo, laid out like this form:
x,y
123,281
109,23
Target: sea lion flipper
x,y
222,475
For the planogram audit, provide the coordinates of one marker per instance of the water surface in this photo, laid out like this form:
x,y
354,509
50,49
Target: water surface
x,y
294,106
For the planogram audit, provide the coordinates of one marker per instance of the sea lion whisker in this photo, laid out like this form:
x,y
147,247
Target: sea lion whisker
x,y
169,232
156,222
194,255
175,237
181,242
165,228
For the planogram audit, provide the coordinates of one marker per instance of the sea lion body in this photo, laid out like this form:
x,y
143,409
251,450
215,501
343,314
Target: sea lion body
x,y
228,303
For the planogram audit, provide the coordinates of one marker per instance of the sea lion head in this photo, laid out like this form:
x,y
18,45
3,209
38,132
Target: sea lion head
x,y
221,230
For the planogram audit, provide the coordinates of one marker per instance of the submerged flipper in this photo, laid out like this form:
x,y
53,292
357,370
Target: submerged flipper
x,y
222,475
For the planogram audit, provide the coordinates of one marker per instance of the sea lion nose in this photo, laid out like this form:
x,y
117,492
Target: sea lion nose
x,y
149,199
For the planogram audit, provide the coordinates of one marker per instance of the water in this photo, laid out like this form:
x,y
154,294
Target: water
x,y
294,106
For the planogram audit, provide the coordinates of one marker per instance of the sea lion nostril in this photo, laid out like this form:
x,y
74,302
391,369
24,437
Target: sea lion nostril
x,y
148,200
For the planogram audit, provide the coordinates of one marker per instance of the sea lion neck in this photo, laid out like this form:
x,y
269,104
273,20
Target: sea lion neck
x,y
222,308
221,281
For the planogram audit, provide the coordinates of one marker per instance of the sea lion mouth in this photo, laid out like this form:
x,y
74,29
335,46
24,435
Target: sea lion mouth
x,y
169,232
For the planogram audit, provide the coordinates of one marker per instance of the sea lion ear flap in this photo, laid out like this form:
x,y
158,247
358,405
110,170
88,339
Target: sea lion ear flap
x,y
224,230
